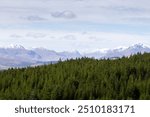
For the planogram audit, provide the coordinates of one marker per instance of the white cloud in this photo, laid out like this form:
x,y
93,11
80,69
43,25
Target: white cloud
x,y
64,14
35,35
33,18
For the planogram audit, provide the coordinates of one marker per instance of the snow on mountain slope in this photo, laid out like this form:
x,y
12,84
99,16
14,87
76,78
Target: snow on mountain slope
x,y
18,56
120,52
134,49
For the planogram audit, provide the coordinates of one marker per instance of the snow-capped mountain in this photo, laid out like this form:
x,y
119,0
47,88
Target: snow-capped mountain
x,y
18,56
120,52
131,50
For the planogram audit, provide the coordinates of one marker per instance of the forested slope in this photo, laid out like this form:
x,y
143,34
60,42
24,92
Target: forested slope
x,y
84,78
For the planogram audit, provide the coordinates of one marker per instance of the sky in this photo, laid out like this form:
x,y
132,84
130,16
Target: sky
x,y
69,25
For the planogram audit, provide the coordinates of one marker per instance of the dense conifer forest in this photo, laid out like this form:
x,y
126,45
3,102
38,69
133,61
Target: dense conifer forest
x,y
83,78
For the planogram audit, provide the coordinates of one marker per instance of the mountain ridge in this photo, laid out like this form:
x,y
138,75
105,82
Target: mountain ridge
x,y
19,56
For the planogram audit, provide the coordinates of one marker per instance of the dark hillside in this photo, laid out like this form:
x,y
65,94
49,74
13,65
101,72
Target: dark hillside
x,y
125,78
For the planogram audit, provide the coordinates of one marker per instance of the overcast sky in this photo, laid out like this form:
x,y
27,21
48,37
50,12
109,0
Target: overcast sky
x,y
68,25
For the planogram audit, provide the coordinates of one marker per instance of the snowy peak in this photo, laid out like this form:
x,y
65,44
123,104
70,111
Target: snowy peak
x,y
16,46
13,46
138,46
119,51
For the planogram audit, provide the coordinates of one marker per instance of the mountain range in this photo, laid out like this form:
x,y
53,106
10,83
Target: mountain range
x,y
18,56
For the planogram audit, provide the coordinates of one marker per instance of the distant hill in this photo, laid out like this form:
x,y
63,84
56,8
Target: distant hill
x,y
18,56
82,78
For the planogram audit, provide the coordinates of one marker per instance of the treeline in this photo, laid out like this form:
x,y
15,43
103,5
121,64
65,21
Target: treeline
x,y
84,78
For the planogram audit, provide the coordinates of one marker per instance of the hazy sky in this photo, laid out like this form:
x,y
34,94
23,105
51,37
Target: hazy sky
x,y
83,25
